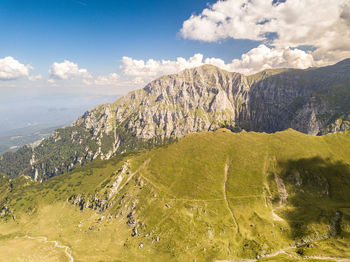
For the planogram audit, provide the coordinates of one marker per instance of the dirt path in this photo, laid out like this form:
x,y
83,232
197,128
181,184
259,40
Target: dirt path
x,y
227,166
284,251
338,259
200,200
66,248
328,258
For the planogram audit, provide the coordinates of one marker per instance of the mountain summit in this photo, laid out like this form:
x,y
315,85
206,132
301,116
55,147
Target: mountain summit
x,y
313,101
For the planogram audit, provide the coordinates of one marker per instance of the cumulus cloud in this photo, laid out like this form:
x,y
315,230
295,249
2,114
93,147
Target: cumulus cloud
x,y
263,57
147,70
257,59
35,78
111,79
67,70
11,69
322,24
87,82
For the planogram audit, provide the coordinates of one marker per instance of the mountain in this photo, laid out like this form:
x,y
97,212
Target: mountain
x,y
314,101
210,196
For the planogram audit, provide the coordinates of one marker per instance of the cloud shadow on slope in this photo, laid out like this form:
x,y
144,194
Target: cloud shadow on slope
x,y
318,192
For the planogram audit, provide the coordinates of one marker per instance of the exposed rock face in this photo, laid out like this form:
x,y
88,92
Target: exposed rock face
x,y
91,202
313,101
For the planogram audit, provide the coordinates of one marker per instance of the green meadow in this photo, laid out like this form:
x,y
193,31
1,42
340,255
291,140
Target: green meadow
x,y
210,196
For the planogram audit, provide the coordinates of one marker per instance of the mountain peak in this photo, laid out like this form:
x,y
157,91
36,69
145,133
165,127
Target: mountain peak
x,y
209,67
206,68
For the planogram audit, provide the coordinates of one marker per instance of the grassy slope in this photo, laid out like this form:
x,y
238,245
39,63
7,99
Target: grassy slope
x,y
185,207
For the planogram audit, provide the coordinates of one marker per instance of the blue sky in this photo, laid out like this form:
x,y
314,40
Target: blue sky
x,y
97,34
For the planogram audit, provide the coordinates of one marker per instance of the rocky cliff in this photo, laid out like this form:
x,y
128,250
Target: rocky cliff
x,y
314,101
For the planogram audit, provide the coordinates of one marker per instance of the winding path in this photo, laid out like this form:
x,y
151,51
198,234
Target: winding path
x,y
66,248
283,251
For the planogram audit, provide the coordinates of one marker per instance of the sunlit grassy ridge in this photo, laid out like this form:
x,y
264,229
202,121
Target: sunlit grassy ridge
x,y
210,196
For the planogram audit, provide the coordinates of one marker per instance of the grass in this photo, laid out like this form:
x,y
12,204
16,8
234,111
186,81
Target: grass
x,y
184,208
30,250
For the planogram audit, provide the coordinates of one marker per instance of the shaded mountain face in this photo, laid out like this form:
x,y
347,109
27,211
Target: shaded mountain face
x,y
314,101
211,196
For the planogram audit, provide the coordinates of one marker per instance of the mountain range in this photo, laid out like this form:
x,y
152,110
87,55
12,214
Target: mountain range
x,y
314,101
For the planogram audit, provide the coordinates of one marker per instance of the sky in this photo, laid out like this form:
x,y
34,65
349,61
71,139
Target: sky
x,y
78,51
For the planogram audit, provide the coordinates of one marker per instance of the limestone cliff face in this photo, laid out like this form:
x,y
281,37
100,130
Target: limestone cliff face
x,y
207,98
314,101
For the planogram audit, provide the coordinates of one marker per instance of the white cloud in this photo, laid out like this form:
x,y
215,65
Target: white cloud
x,y
11,68
281,28
35,78
87,82
257,59
67,70
322,24
111,79
143,71
263,57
